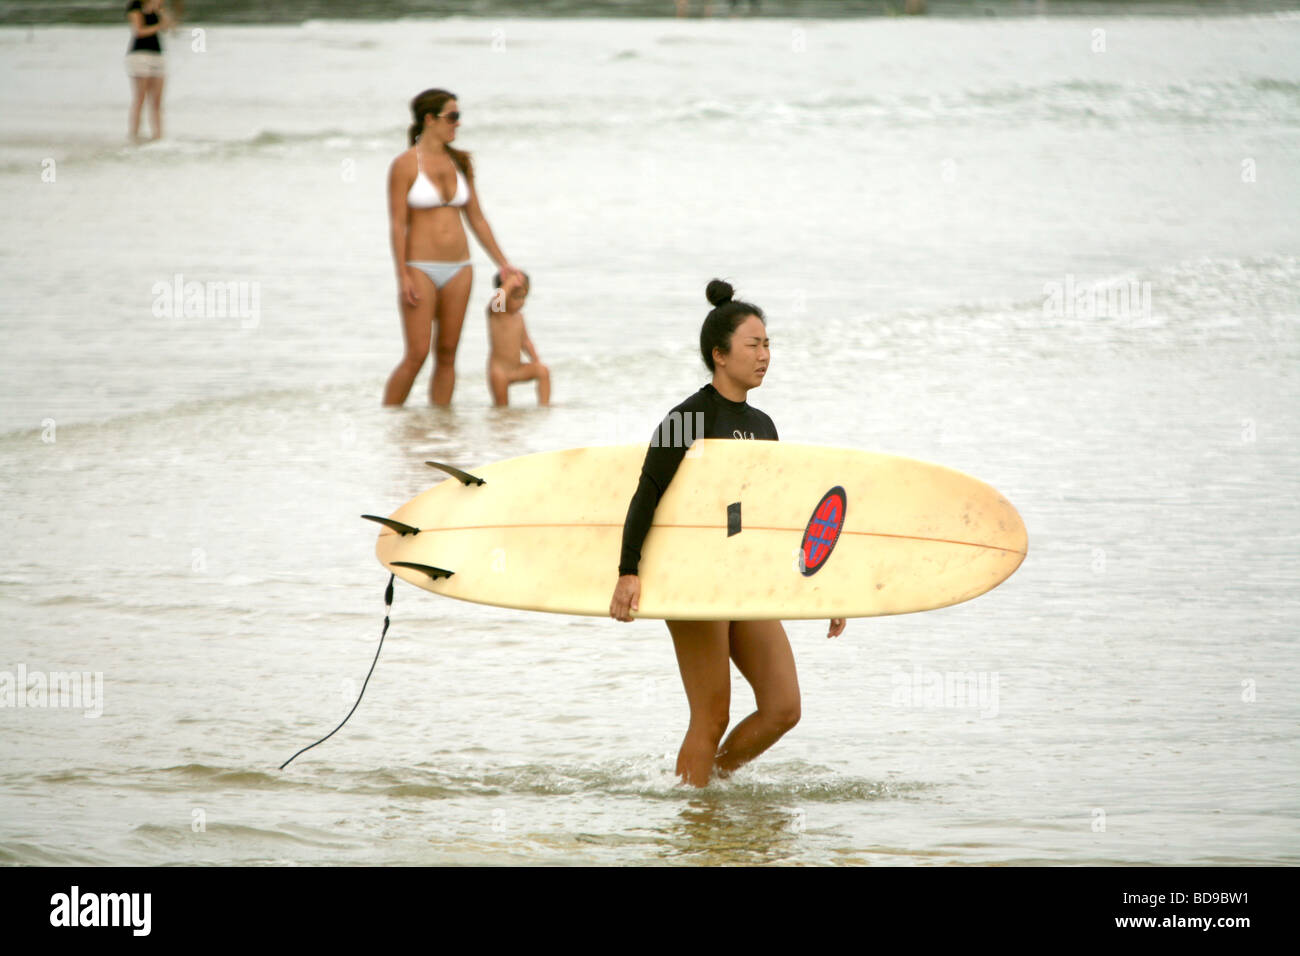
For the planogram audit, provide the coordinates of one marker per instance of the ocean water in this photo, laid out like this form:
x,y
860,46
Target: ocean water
x,y
13,12
1062,260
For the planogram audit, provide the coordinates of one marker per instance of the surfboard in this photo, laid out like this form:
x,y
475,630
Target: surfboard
x,y
747,530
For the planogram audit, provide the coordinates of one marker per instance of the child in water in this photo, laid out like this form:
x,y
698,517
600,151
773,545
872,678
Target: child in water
x,y
507,337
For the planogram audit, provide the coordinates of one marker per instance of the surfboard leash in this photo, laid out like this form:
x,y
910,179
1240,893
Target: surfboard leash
x,y
388,607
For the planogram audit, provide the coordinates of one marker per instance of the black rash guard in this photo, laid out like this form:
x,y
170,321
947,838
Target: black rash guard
x,y
706,414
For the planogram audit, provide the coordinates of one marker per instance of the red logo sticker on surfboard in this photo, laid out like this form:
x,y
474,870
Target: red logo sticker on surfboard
x,y
823,531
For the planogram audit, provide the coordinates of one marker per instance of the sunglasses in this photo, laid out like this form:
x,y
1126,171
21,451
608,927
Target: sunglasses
x,y
453,116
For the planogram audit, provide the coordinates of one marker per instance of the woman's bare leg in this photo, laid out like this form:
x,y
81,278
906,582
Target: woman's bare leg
x,y
762,652
706,674
155,90
417,331
137,101
452,300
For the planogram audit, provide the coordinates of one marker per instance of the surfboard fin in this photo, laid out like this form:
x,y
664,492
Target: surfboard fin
x,y
465,479
395,525
428,569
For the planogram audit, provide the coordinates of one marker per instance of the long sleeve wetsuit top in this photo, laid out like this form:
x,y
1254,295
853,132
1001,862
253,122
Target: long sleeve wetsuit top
x,y
706,414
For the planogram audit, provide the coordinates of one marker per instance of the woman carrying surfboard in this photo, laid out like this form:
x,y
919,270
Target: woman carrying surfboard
x,y
429,186
734,346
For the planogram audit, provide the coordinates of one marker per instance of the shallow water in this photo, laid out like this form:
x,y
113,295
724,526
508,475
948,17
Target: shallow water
x,y
183,492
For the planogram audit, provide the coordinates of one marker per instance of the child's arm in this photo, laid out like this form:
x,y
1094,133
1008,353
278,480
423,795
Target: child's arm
x,y
529,349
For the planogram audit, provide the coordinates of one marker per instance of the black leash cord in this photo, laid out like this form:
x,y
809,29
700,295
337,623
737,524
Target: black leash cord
x,y
388,603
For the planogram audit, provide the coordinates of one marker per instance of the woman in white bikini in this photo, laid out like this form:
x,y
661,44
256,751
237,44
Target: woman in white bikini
x,y
430,249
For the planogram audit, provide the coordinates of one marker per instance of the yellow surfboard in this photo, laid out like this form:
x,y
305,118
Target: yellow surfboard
x,y
747,530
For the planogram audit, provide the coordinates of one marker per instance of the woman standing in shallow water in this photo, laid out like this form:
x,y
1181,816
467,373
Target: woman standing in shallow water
x,y
429,186
734,346
144,63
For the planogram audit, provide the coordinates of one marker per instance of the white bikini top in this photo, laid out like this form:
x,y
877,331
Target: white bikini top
x,y
424,195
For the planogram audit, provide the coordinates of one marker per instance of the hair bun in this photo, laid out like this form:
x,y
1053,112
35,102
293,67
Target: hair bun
x,y
719,292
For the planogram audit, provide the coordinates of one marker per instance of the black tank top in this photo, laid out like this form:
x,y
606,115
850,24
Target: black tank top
x,y
706,414
149,43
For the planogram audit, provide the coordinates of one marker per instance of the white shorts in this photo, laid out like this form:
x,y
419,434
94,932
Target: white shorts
x,y
145,63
